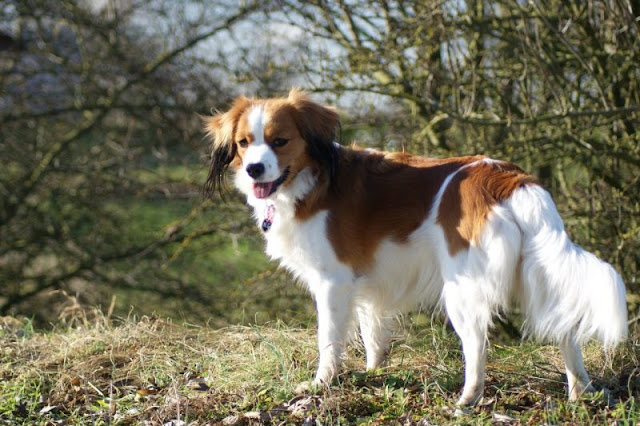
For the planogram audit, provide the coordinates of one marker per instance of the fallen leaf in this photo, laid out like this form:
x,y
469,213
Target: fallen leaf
x,y
149,390
502,417
232,420
301,404
47,409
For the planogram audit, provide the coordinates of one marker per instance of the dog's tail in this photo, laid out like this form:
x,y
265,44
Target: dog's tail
x,y
566,291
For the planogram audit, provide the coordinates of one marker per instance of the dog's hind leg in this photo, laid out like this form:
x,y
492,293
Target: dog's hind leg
x,y
376,334
470,319
577,378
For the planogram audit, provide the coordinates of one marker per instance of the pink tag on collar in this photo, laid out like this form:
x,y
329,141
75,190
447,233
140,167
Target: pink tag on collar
x,y
269,213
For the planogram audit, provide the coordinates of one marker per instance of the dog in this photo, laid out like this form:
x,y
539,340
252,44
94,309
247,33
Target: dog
x,y
372,234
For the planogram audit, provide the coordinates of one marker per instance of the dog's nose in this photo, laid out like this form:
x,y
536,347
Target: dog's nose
x,y
255,170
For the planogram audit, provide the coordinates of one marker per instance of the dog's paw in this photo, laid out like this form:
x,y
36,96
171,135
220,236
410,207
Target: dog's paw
x,y
470,398
457,411
308,388
461,412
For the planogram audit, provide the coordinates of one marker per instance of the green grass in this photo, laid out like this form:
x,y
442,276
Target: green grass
x,y
158,371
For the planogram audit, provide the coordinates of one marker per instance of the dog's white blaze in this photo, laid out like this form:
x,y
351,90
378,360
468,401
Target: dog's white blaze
x,y
259,151
256,123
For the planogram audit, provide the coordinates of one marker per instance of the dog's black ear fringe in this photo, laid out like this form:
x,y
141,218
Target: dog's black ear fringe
x,y
221,158
325,153
319,125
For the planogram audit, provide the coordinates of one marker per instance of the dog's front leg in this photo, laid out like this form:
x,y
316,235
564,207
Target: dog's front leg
x,y
334,303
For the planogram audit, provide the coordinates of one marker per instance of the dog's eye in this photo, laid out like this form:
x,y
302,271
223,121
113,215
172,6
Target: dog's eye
x,y
278,142
243,143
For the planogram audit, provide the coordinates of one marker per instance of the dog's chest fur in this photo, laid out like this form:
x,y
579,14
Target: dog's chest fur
x,y
301,246
304,249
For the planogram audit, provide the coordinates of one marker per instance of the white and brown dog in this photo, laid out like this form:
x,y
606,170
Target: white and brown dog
x,y
372,234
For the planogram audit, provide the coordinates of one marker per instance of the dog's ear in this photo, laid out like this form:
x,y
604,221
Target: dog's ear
x,y
318,125
220,129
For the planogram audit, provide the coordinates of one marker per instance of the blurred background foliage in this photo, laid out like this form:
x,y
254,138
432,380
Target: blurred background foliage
x,y
102,156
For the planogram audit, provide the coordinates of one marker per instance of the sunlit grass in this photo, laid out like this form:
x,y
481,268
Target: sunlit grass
x,y
155,370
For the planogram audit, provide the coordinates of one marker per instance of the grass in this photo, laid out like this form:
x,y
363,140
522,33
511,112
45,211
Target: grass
x,y
157,372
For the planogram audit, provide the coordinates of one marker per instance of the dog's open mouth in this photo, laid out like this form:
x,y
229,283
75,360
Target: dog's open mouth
x,y
264,189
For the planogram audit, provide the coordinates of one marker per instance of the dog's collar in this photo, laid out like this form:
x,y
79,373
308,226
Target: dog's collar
x,y
269,213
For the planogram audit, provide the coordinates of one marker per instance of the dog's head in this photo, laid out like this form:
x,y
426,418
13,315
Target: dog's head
x,y
268,142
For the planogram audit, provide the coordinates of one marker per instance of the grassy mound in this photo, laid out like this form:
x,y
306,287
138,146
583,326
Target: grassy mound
x,y
152,371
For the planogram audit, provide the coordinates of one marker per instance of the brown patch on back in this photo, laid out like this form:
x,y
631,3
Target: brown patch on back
x,y
471,194
377,196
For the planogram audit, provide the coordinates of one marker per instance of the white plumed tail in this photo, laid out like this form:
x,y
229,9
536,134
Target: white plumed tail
x,y
566,291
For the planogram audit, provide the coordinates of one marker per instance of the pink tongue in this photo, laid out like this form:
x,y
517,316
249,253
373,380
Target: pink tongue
x,y
262,189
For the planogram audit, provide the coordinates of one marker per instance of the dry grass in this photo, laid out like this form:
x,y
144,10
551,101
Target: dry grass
x,y
152,371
